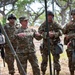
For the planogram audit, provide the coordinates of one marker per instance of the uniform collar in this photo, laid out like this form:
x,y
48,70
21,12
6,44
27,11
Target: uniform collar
x,y
24,28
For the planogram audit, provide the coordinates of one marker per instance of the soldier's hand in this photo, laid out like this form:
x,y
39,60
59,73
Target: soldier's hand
x,y
21,34
68,44
51,34
37,34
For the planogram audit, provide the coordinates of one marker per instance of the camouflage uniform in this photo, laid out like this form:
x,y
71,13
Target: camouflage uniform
x,y
9,58
69,40
69,30
26,50
53,26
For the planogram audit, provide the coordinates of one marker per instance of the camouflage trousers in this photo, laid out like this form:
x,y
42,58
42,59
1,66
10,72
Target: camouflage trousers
x,y
70,64
24,57
9,59
44,53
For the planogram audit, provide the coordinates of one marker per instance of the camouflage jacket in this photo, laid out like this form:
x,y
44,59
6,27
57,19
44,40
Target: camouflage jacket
x,y
52,27
25,44
69,30
10,32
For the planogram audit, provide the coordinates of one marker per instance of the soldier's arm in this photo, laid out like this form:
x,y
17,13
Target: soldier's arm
x,y
6,27
57,34
67,27
36,35
41,29
16,34
71,35
58,31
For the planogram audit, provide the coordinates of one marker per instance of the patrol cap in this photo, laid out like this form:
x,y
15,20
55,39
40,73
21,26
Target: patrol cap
x,y
50,13
73,12
23,18
11,16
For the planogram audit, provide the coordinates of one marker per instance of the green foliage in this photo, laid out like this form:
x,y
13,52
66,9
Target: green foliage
x,y
3,21
42,18
20,7
62,2
22,3
23,8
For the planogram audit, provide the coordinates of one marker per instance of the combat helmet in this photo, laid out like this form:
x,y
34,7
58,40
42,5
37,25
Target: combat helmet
x,y
11,16
50,13
73,12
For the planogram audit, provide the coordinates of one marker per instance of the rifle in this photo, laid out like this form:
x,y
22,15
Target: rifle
x,y
3,54
2,42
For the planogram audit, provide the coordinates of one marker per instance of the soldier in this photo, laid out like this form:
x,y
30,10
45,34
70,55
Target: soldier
x,y
69,40
26,50
54,33
10,28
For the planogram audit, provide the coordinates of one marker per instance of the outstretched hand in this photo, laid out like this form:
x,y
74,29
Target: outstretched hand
x,y
37,34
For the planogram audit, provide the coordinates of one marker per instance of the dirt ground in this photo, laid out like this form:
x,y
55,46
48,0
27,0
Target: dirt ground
x,y
63,63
